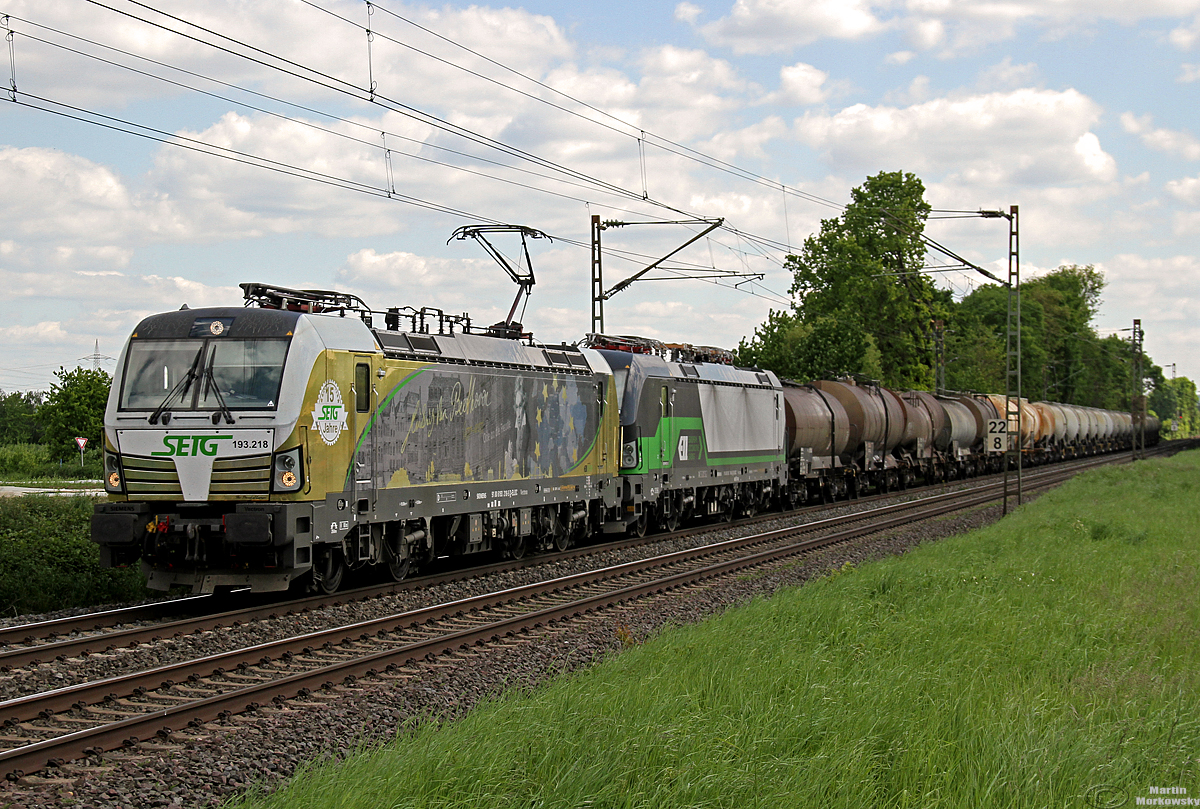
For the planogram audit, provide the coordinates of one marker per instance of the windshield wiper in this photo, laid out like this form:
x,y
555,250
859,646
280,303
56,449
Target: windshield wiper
x,y
210,383
181,387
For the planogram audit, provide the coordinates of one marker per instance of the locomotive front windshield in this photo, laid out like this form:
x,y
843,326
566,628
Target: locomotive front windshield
x,y
203,374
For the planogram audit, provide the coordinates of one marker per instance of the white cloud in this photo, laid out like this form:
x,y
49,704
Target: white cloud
x,y
1188,73
1007,76
916,92
926,34
770,26
799,85
1185,36
71,201
899,57
1185,223
1034,137
50,332
1162,291
1186,190
372,271
749,142
688,12
1169,141
340,50
956,26
688,92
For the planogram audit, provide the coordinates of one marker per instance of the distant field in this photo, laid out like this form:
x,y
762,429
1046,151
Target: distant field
x,y
1052,659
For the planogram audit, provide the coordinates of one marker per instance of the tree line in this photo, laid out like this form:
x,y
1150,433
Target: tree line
x,y
73,407
865,305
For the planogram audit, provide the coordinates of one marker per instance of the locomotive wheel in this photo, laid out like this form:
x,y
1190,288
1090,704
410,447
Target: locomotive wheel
x,y
517,547
639,525
398,568
330,574
562,536
671,521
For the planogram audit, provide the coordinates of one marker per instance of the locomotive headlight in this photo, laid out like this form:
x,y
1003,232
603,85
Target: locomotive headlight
x,y
113,484
629,455
288,469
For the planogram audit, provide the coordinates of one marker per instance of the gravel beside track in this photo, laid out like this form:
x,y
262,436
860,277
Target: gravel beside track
x,y
205,766
101,665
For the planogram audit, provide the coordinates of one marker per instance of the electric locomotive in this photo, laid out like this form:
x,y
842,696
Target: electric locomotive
x,y
290,440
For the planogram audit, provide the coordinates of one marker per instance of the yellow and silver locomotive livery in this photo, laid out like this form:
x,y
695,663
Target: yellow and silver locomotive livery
x,y
257,446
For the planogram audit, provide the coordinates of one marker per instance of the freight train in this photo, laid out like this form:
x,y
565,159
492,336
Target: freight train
x,y
283,443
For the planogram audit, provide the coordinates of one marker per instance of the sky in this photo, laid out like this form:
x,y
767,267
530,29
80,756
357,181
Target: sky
x,y
158,154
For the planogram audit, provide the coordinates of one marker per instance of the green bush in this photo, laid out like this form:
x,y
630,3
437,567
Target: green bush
x,y
48,561
38,462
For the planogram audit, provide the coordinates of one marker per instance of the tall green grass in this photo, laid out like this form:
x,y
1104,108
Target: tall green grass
x,y
48,561
36,462
1018,666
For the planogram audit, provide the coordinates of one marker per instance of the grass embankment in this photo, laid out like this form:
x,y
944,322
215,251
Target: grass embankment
x,y
48,561
1017,666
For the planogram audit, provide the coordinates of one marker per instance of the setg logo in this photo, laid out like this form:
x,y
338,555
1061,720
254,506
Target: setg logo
x,y
329,413
182,446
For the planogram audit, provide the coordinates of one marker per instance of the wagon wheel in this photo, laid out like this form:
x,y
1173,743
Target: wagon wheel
x,y
329,574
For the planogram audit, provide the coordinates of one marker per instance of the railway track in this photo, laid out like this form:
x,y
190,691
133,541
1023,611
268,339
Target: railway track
x,y
29,644
89,718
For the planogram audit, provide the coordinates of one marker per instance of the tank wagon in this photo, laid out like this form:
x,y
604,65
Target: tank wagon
x,y
288,441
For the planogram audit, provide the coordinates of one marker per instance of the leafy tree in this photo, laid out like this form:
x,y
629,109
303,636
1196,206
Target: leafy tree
x,y
773,345
18,417
861,272
1175,403
864,307
75,407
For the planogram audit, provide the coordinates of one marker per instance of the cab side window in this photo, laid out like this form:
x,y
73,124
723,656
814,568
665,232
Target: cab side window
x,y
362,387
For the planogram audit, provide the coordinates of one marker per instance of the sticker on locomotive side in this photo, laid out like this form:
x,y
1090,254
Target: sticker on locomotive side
x,y
329,413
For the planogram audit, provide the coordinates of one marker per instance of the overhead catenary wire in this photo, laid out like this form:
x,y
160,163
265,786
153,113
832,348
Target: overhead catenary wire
x,y
150,133
320,78
328,130
761,240
293,119
369,95
626,128
306,73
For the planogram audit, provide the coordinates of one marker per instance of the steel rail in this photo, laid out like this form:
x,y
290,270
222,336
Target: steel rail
x,y
20,656
104,737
